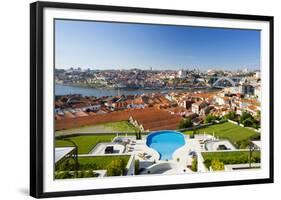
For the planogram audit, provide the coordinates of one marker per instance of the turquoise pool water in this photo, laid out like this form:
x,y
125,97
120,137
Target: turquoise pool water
x,y
165,143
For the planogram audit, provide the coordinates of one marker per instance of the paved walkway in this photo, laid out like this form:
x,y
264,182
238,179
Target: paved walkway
x,y
254,166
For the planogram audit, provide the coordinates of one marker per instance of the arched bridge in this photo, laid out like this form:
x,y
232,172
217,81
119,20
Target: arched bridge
x,y
222,82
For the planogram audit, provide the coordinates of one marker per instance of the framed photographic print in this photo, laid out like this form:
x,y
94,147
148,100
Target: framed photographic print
x,y
127,99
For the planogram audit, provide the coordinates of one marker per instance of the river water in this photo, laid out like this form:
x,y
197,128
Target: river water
x,y
66,90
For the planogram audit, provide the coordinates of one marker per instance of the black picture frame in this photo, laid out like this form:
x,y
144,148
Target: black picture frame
x,y
37,99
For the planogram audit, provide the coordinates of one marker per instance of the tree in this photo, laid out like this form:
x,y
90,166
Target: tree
x,y
185,123
248,122
245,116
257,120
194,132
230,116
138,135
256,124
258,116
210,118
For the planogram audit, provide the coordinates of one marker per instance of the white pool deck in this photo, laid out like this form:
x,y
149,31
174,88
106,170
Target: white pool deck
x,y
149,158
181,159
100,148
214,145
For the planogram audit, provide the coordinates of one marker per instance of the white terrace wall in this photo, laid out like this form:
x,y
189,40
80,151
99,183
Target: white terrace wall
x,y
131,166
239,124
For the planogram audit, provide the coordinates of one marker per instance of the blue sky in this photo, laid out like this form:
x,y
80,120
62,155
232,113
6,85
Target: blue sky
x,y
104,45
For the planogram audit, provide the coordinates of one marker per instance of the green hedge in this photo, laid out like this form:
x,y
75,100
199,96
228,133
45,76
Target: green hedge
x,y
232,157
80,174
194,164
92,163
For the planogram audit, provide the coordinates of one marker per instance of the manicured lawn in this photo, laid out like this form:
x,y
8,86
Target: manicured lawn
x,y
101,162
232,157
229,131
85,143
122,126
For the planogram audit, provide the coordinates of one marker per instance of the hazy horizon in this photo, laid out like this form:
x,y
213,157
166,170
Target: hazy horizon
x,y
148,69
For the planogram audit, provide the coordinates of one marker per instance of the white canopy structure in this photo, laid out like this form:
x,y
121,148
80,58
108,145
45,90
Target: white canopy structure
x,y
62,152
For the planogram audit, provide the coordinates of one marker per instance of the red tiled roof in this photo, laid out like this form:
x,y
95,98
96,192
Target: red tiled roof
x,y
68,115
81,114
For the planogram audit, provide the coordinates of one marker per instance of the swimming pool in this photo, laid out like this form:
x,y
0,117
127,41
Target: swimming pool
x,y
165,143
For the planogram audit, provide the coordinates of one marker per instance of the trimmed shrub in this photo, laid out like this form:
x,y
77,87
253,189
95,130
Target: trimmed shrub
x,y
116,168
210,118
217,165
63,175
243,144
194,164
231,157
185,123
71,174
89,173
67,165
